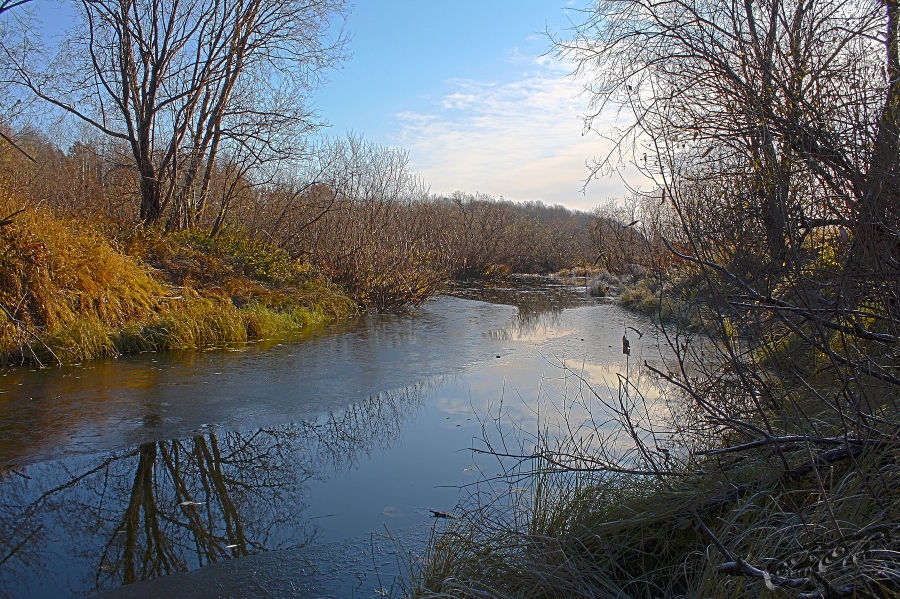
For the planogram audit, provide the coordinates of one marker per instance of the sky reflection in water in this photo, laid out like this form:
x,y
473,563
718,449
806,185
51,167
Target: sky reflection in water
x,y
120,472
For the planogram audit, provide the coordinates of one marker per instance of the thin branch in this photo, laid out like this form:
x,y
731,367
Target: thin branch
x,y
14,144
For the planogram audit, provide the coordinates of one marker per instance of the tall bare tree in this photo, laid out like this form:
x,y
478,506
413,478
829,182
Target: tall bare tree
x,y
779,116
184,82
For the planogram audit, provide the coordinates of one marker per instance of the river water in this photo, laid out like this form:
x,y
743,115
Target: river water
x,y
265,469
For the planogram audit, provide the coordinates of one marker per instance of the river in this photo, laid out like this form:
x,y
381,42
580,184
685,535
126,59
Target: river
x,y
266,469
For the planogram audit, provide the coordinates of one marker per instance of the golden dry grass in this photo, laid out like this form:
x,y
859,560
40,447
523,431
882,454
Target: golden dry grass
x,y
73,290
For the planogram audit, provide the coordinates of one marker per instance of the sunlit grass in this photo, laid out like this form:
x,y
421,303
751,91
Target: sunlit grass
x,y
74,290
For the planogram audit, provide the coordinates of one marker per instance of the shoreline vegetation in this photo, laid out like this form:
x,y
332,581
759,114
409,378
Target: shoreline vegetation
x,y
760,457
81,279
75,290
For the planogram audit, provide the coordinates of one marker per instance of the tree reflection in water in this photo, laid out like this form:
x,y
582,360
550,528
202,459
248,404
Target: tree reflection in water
x,y
176,505
539,302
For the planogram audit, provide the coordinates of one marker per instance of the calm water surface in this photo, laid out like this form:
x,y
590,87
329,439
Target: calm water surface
x,y
119,472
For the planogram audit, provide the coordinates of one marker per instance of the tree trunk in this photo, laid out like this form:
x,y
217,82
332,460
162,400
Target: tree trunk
x,y
878,221
151,210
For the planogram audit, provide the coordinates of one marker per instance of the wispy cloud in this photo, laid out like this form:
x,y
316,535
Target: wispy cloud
x,y
520,139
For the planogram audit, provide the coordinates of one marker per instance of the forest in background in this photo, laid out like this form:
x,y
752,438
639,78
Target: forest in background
x,y
180,139
355,229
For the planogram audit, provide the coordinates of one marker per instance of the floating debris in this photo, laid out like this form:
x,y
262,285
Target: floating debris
x,y
440,514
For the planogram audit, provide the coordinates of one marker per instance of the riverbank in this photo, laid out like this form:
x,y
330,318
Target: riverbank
x,y
807,512
73,290
702,489
80,288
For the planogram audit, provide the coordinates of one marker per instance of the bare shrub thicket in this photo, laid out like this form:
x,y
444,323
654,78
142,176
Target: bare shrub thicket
x,y
627,236
481,233
771,129
359,213
357,216
352,208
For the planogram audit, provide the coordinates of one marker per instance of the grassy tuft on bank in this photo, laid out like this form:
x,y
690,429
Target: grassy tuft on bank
x,y
809,518
74,290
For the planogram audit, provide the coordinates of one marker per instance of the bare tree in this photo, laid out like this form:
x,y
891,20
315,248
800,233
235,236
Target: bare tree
x,y
756,95
6,5
184,82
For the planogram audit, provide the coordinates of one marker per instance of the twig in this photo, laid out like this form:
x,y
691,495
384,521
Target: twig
x,y
14,144
21,544
8,219
601,467
440,514
831,593
828,457
21,325
739,567
722,549
796,439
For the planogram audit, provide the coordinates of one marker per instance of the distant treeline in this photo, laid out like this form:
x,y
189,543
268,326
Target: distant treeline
x,y
352,209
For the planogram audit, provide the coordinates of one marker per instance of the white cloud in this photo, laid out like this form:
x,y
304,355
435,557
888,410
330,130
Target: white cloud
x,y
522,140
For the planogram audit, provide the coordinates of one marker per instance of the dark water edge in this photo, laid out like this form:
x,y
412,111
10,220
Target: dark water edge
x,y
148,466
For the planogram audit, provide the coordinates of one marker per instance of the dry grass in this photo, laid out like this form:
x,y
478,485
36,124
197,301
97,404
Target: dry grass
x,y
74,290
598,534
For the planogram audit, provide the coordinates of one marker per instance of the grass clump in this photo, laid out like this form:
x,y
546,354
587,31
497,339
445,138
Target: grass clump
x,y
74,290
199,322
54,272
569,520
64,286
619,538
665,301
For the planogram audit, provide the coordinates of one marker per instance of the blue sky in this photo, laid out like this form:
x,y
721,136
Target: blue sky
x,y
466,87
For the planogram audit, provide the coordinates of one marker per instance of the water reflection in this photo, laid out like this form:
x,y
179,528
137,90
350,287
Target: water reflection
x,y
174,493
531,295
539,301
103,406
91,523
